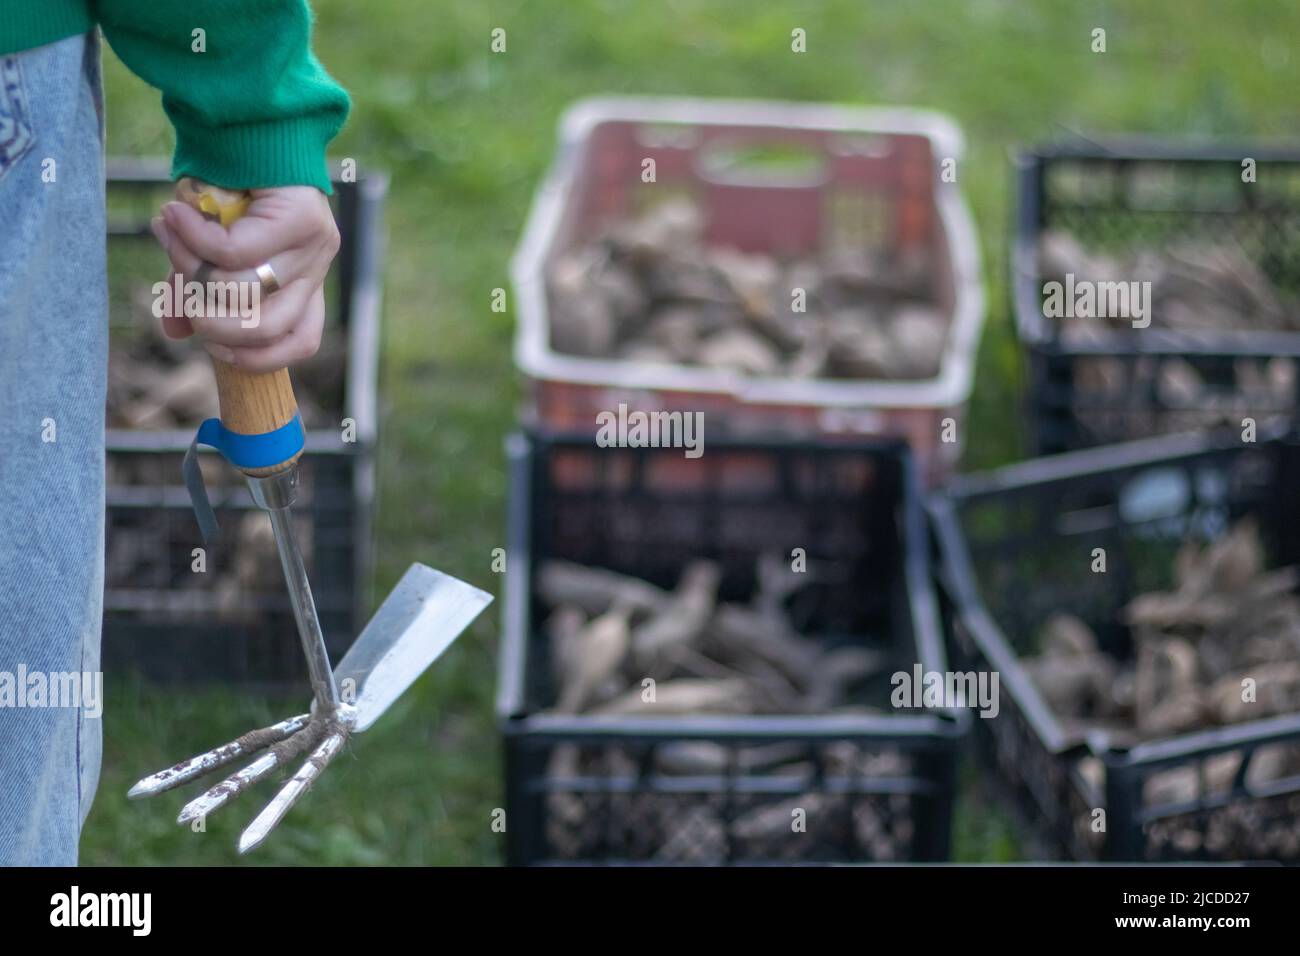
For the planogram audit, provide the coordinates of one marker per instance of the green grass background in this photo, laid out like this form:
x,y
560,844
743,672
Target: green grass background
x,y
466,135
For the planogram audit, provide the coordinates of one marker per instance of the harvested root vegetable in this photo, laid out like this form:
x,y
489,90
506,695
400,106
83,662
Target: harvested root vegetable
x,y
1204,289
1198,285
681,619
1222,647
698,655
598,650
593,590
683,696
651,290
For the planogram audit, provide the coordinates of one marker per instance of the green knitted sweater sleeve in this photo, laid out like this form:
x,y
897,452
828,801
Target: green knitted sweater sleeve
x,y
251,105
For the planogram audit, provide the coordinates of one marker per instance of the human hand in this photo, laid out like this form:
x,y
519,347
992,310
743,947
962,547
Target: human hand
x,y
289,227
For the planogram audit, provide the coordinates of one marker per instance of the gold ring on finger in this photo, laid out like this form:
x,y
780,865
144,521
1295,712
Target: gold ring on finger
x,y
267,278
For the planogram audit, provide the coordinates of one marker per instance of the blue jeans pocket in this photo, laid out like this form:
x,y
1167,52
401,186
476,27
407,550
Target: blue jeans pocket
x,y
16,136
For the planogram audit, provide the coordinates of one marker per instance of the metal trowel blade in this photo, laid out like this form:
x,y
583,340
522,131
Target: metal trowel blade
x,y
419,620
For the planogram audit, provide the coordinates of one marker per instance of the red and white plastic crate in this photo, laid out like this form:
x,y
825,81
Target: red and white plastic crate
x,y
873,178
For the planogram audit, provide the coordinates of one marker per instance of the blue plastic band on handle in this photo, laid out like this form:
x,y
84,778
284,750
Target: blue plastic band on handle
x,y
254,451
243,451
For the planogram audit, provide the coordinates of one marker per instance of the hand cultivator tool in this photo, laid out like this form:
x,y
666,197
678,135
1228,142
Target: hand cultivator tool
x,y
261,434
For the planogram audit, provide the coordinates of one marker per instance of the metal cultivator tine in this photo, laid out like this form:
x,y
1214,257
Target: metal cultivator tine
x,y
324,736
295,787
195,767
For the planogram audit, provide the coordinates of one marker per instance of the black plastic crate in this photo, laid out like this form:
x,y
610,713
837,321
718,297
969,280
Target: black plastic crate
x,y
874,786
233,622
1015,547
1123,195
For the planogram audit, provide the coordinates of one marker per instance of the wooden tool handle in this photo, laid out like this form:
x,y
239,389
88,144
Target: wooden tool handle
x,y
251,403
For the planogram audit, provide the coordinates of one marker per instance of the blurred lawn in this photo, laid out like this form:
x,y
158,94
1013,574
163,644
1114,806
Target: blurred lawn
x,y
466,134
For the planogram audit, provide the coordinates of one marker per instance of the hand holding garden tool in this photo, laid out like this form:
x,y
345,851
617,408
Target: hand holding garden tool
x,y
260,433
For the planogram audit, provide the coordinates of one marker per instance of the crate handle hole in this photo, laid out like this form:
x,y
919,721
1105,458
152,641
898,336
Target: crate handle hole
x,y
862,145
667,136
766,164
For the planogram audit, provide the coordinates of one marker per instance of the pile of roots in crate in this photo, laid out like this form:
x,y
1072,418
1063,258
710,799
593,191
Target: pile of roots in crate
x,y
141,556
610,634
651,290
1222,647
1197,285
1200,288
622,647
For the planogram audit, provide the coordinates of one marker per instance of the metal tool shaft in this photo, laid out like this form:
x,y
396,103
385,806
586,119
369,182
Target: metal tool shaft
x,y
275,494
304,611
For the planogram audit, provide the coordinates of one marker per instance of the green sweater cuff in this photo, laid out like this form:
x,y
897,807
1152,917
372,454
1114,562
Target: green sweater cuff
x,y
23,27
287,152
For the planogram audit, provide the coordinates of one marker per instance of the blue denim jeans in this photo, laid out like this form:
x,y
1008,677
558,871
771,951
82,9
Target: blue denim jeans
x,y
53,352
